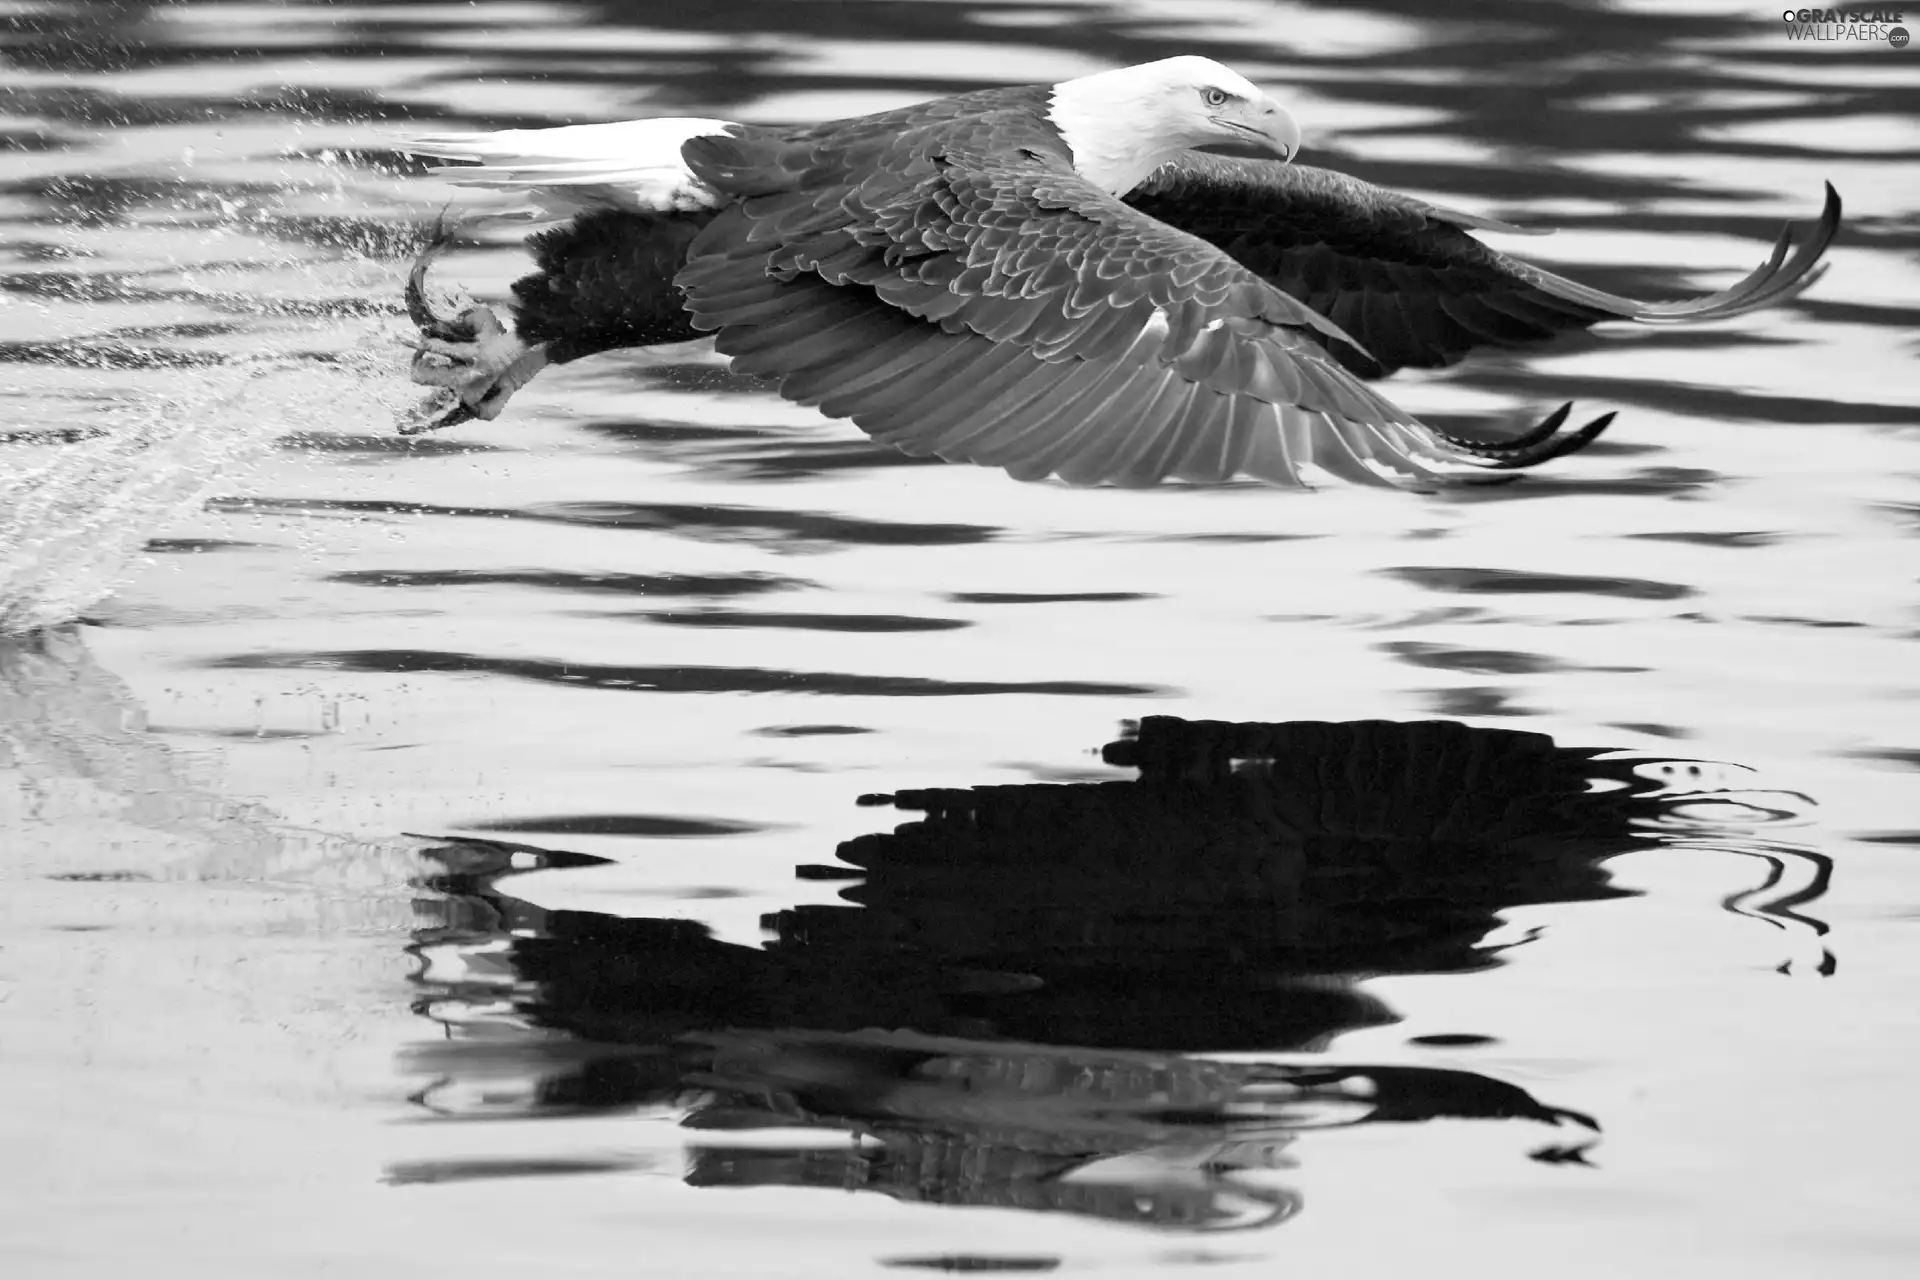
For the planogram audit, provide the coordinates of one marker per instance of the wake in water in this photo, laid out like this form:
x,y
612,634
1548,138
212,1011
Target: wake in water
x,y
90,792
75,515
272,318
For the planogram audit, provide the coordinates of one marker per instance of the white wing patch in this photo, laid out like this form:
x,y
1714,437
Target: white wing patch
x,y
634,164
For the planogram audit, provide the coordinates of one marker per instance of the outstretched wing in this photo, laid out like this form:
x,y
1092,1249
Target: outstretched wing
x,y
957,290
1404,277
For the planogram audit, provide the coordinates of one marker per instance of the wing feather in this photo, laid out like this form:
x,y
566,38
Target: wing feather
x,y
1118,449
1000,387
1161,455
970,297
558,172
1269,456
1217,449
1393,271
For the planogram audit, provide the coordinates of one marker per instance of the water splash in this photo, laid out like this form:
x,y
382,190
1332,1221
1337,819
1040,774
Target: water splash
x,y
72,528
277,313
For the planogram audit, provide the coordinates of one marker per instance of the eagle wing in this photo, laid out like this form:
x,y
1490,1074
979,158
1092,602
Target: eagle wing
x,y
560,172
1404,277
958,291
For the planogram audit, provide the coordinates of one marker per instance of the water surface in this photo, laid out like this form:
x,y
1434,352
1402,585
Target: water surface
x,y
443,854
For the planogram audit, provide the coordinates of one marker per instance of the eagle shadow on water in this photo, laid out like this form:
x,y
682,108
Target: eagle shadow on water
x,y
1021,999
1059,280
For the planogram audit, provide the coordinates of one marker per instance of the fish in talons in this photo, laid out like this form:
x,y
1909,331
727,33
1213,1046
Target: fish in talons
x,y
476,360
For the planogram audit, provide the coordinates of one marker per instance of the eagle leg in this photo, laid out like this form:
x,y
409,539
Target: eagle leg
x,y
471,354
483,373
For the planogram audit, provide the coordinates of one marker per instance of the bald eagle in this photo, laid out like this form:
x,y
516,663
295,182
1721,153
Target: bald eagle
x,y
1051,279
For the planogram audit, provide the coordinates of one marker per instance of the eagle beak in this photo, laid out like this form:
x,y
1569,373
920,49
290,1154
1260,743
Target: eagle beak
x,y
1264,130
1280,130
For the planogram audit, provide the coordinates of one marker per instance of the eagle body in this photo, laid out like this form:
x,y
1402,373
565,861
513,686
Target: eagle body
x,y
1047,279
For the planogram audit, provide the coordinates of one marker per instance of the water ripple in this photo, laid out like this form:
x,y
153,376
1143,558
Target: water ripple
x,y
637,584
852,622
647,825
1516,582
695,521
685,679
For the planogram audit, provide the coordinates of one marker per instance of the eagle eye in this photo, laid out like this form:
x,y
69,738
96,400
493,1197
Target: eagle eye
x,y
1214,97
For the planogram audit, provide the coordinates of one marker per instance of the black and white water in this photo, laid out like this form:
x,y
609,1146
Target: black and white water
x,y
1448,993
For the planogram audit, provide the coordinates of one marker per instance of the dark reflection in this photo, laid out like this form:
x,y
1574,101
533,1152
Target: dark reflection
x,y
1907,513
1007,1006
1746,538
89,354
797,460
747,453
1453,1040
1047,597
1233,539
1652,730
651,825
1819,623
973,1262
1517,582
719,523
94,199
49,435
584,675
411,1173
618,584
755,522
856,622
102,877
1486,662
1906,757
673,433
161,285
1698,400
810,730
1478,703
1646,482
197,546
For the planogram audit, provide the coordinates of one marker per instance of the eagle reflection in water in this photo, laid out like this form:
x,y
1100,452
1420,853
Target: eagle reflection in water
x,y
1009,1009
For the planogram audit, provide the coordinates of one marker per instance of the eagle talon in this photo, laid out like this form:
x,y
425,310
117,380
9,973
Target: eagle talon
x,y
482,372
437,411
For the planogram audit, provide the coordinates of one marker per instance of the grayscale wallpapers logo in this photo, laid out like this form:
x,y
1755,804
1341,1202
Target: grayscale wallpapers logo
x,y
1847,24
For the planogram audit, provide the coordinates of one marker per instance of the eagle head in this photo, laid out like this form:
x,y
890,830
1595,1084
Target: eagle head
x,y
1122,125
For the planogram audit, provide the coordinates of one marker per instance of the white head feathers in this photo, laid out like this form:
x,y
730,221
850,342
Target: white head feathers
x,y
1124,124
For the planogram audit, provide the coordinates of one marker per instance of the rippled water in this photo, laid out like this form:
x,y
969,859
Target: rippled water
x,y
442,854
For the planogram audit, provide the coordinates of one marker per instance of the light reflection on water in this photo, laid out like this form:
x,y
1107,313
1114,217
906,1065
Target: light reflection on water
x,y
663,619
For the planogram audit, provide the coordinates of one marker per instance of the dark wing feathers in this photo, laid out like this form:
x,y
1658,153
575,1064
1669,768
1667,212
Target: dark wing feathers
x,y
963,397
953,286
1403,276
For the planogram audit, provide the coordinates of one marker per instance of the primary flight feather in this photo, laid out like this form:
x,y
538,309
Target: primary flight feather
x,y
1049,279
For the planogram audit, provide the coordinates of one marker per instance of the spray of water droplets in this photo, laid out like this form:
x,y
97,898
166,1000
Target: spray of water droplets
x,y
313,349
